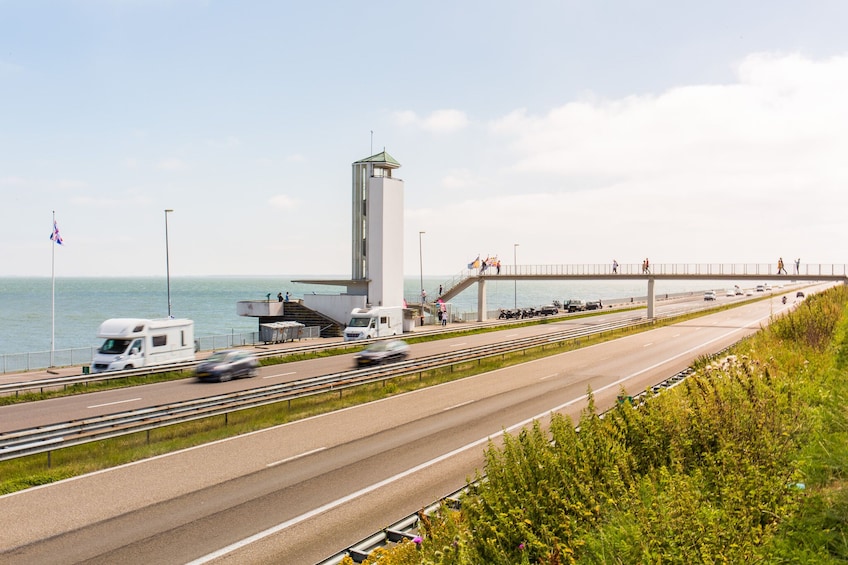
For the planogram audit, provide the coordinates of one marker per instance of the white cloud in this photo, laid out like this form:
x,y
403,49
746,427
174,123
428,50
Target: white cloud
x,y
460,179
283,202
67,184
172,164
439,121
784,116
132,200
12,181
744,171
225,142
9,69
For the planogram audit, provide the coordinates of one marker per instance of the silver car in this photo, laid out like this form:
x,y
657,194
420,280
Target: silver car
x,y
226,365
381,352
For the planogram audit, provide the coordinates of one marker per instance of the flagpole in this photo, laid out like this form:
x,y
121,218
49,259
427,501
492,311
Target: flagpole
x,y
52,293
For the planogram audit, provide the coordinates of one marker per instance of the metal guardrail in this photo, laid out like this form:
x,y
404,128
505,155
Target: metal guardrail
x,y
21,362
18,362
61,382
43,439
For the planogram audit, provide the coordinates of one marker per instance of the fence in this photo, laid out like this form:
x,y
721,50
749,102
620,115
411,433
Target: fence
x,y
21,362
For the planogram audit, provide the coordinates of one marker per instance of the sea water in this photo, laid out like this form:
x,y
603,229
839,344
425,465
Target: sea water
x,y
30,308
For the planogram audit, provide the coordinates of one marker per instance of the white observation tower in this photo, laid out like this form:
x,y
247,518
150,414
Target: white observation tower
x,y
377,239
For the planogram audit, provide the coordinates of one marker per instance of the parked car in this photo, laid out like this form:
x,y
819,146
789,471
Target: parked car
x,y
226,365
547,310
381,352
710,295
594,305
575,306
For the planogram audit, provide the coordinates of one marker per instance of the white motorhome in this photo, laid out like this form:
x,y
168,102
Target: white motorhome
x,y
375,322
131,343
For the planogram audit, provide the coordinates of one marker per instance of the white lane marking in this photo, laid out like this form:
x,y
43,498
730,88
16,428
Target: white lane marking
x,y
113,403
457,405
482,441
676,335
511,335
648,344
280,375
295,457
457,344
546,377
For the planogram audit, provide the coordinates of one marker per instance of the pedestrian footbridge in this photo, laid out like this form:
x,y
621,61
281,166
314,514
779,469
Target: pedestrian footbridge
x,y
636,271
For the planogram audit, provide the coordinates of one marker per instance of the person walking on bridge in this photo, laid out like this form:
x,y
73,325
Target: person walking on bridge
x,y
614,267
780,267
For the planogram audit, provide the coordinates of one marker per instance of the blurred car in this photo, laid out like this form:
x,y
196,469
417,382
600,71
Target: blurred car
x,y
710,295
381,352
548,309
575,306
799,294
730,292
226,365
749,292
739,291
761,288
594,305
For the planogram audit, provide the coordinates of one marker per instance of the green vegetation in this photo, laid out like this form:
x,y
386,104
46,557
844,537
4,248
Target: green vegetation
x,y
746,461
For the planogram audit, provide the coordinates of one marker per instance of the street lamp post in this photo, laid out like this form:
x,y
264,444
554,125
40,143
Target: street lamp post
x,y
515,267
167,263
421,270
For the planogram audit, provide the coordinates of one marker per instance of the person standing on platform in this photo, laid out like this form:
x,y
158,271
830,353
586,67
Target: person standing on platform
x,y
614,267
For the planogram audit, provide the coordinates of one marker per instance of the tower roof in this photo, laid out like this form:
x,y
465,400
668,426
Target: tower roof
x,y
381,157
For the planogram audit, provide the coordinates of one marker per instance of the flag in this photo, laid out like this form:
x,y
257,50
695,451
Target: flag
x,y
55,235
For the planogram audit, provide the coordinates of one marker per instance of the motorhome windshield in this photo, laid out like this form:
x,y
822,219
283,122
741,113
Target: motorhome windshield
x,y
114,346
359,322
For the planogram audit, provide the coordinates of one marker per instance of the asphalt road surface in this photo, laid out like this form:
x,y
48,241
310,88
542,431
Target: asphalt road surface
x,y
303,491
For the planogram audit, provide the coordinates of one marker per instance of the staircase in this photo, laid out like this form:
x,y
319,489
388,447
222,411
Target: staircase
x,y
294,311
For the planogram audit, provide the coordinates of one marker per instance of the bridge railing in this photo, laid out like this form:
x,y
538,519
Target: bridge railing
x,y
695,269
699,269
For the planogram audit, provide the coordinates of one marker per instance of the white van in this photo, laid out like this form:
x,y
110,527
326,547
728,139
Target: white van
x,y
375,322
130,343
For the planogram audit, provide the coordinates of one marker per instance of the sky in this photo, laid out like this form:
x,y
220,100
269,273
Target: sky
x,y
687,132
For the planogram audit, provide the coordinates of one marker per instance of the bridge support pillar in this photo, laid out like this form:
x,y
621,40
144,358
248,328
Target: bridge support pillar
x,y
481,300
651,298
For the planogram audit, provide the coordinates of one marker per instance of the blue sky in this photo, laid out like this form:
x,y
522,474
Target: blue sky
x,y
583,131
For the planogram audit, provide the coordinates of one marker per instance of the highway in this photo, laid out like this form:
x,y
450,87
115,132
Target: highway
x,y
300,492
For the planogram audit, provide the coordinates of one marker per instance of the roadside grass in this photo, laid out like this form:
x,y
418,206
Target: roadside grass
x,y
33,470
744,462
